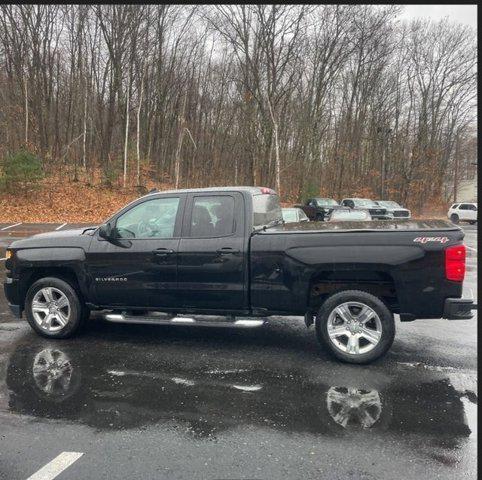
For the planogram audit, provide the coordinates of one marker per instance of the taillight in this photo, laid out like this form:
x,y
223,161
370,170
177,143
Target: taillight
x,y
455,263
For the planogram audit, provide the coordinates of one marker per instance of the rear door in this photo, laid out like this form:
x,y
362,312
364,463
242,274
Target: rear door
x,y
212,260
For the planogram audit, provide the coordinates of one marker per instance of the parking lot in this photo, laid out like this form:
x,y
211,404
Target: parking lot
x,y
155,402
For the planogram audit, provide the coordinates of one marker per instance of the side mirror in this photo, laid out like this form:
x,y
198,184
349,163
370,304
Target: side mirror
x,y
105,231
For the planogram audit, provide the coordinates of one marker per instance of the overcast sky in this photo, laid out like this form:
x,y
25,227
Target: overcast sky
x,y
466,14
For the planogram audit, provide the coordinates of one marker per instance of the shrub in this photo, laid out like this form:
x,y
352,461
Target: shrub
x,y
21,170
310,189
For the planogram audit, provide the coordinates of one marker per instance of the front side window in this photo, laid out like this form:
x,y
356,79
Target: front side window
x,y
455,206
212,216
154,218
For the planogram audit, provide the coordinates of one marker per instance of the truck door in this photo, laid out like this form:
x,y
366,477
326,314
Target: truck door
x,y
212,260
139,266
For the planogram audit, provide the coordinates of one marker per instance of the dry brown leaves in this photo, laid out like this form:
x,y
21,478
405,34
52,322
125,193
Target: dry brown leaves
x,y
59,200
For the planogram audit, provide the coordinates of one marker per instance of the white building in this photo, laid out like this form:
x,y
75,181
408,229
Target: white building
x,y
467,190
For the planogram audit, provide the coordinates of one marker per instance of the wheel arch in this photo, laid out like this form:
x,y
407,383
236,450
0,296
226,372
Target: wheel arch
x,y
377,282
68,274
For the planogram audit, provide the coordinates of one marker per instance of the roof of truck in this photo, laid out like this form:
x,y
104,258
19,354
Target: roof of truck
x,y
252,190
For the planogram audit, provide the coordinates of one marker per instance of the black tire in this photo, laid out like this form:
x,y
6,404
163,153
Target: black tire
x,y
319,217
77,311
454,218
378,306
473,222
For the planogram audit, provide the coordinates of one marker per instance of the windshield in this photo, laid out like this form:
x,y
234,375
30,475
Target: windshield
x,y
388,204
364,202
266,209
290,215
326,201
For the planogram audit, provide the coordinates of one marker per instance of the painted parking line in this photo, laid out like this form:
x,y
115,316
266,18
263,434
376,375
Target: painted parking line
x,y
56,466
63,225
3,259
11,226
471,248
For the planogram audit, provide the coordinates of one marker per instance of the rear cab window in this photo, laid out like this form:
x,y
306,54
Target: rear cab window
x,y
266,209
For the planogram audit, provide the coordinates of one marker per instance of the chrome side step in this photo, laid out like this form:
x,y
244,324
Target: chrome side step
x,y
157,318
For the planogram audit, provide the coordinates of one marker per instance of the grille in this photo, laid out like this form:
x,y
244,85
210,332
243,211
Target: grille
x,y
377,211
400,213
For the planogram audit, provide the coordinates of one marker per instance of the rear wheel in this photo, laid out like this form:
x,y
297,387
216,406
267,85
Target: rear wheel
x,y
454,218
473,222
355,326
54,309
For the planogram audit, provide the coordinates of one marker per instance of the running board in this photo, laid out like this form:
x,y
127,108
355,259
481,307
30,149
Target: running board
x,y
194,320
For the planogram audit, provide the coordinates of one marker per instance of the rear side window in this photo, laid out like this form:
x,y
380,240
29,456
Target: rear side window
x,y
212,216
464,206
266,209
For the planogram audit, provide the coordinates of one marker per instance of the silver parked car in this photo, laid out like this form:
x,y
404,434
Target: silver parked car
x,y
294,215
394,209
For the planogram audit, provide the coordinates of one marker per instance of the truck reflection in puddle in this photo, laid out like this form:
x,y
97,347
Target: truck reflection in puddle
x,y
112,388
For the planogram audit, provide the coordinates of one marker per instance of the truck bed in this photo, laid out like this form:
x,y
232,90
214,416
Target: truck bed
x,y
387,225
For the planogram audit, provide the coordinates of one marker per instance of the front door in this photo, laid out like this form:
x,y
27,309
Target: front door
x,y
138,268
212,259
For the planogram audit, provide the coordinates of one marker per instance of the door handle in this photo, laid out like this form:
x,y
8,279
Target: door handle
x,y
226,250
162,252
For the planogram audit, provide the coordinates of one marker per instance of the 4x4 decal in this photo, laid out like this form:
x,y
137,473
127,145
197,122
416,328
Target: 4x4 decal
x,y
431,239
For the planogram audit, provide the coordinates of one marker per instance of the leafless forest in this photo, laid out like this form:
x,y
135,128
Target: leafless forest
x,y
335,100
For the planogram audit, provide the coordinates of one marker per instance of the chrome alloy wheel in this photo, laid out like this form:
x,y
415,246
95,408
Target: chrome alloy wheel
x,y
51,309
52,371
354,328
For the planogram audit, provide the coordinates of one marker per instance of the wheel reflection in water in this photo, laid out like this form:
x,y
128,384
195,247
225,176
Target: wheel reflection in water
x,y
353,407
52,371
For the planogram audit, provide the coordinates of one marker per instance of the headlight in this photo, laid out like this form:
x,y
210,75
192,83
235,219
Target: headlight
x,y
8,254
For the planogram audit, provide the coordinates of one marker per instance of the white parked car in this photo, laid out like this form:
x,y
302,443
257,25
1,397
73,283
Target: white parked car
x,y
463,212
294,215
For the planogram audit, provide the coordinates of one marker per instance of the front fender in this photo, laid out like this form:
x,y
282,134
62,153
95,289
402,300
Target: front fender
x,y
50,261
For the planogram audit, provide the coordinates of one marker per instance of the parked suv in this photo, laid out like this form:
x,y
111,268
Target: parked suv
x,y
465,212
376,212
394,210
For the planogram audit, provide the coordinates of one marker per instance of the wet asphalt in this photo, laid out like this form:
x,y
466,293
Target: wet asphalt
x,y
161,402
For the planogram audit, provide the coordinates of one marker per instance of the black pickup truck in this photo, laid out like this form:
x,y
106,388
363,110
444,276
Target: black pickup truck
x,y
223,257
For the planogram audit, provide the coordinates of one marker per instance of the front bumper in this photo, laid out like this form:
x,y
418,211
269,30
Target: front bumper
x,y
16,310
11,290
459,308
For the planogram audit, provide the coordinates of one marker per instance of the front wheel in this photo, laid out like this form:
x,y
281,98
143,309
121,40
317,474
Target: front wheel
x,y
53,308
473,222
355,326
